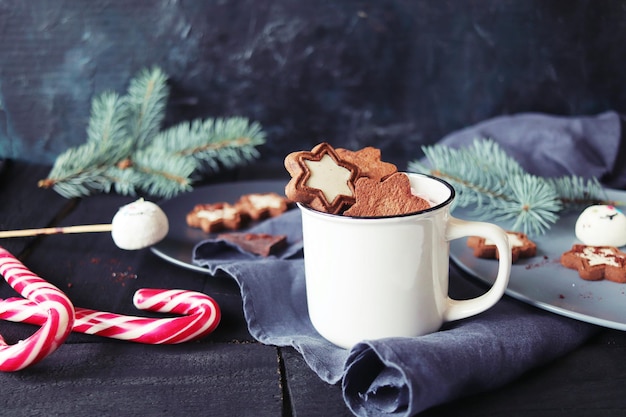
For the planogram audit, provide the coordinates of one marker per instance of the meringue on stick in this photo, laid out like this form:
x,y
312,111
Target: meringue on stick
x,y
135,226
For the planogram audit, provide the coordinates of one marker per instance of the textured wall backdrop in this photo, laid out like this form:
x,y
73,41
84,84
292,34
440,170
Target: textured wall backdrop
x,y
396,74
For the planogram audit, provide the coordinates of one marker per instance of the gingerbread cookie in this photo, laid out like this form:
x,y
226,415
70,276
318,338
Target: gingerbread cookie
x,y
521,246
390,197
257,243
369,162
321,179
215,217
258,206
595,263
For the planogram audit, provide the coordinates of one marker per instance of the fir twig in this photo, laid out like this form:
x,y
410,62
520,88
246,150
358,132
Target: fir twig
x,y
126,152
213,141
147,97
499,189
577,191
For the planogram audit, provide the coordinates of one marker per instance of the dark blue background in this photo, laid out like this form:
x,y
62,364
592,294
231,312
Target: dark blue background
x,y
395,74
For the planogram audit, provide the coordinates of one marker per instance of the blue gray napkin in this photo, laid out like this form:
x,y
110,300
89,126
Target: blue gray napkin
x,y
551,146
403,376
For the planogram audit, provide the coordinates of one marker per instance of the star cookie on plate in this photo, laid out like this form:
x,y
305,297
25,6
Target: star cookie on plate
x,y
321,179
258,206
521,246
214,217
595,263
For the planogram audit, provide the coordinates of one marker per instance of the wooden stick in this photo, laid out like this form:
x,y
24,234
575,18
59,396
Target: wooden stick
x,y
57,230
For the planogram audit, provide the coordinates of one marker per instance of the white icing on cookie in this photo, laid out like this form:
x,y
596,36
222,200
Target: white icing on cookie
x,y
330,178
514,240
138,225
227,212
601,225
265,200
604,256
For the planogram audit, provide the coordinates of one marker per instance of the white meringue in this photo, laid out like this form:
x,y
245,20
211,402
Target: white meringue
x,y
601,225
138,225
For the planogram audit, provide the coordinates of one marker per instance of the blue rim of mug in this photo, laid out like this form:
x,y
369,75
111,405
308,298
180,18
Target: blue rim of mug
x,y
413,213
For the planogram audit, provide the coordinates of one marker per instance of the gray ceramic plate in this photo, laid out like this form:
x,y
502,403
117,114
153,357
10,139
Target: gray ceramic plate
x,y
543,282
178,245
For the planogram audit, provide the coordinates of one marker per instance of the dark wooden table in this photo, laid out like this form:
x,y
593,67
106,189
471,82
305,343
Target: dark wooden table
x,y
227,373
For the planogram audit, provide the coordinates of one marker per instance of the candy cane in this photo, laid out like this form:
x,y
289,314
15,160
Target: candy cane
x,y
56,310
201,315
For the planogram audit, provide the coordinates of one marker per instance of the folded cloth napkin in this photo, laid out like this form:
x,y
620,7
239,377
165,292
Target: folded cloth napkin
x,y
553,146
403,376
273,292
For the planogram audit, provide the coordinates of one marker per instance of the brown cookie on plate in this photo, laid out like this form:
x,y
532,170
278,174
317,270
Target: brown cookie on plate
x,y
258,206
595,263
521,246
215,217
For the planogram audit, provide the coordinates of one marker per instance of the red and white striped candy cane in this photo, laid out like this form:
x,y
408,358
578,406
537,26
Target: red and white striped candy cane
x,y
201,315
57,314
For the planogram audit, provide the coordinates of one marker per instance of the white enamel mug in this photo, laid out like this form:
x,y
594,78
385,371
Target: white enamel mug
x,y
371,278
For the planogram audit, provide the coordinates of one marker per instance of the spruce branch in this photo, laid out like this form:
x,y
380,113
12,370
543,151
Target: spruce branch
x,y
127,153
107,122
213,141
147,97
498,188
577,191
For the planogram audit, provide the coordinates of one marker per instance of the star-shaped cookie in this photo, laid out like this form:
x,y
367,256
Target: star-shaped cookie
x,y
521,246
258,206
595,263
390,197
213,217
321,179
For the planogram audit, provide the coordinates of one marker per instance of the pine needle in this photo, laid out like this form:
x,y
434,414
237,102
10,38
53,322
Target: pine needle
x,y
125,151
499,189
107,122
147,97
230,142
163,173
532,204
576,192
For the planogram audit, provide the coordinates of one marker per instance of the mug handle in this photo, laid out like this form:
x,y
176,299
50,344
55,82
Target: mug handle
x,y
457,228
